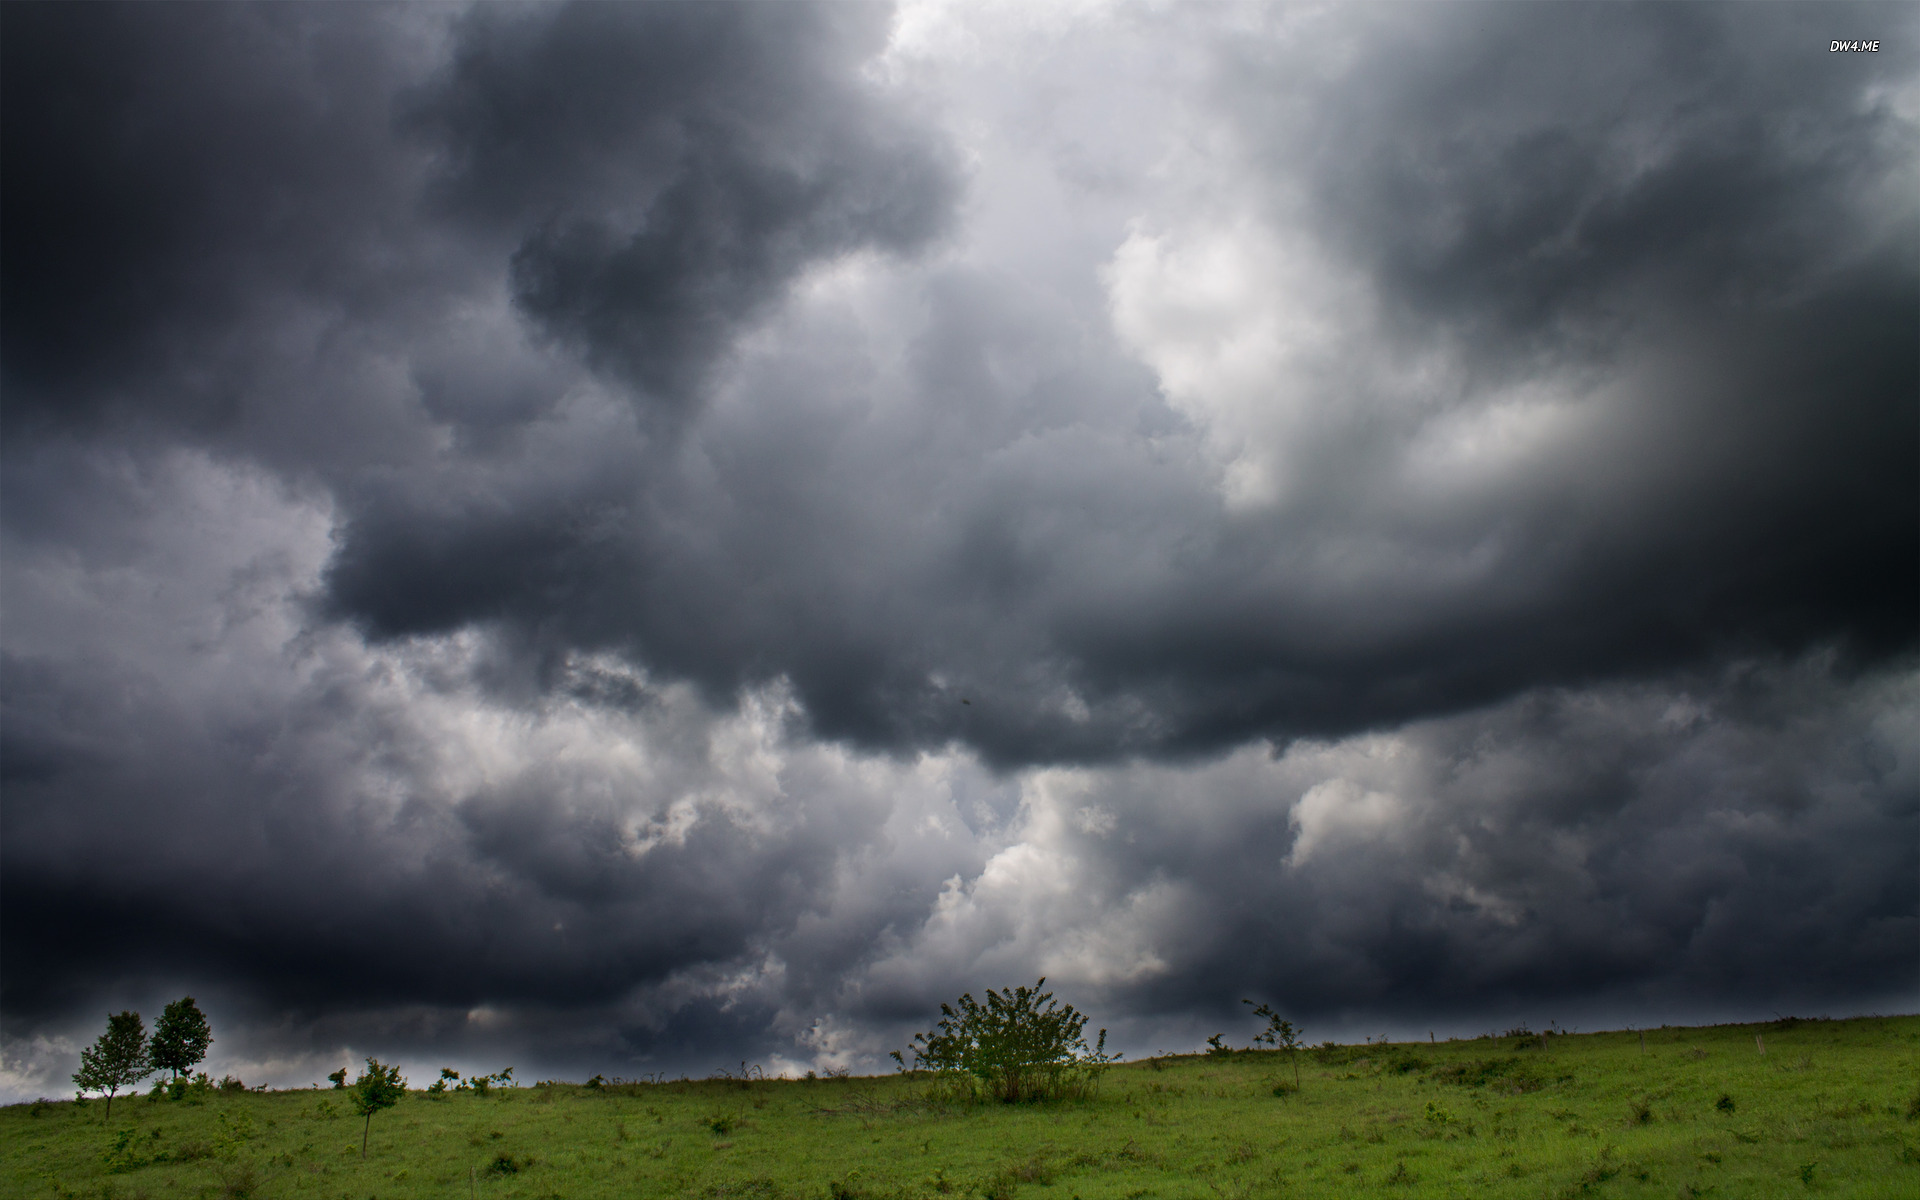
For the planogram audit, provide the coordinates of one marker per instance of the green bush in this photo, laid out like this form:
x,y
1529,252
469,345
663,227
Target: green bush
x,y
1020,1045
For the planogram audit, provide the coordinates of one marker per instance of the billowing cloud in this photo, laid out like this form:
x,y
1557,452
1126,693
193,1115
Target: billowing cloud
x,y
640,536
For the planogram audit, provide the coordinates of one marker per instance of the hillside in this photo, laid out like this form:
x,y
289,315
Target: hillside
x,y
1831,1108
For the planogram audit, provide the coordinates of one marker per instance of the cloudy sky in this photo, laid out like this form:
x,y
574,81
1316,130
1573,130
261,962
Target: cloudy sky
x,y
632,538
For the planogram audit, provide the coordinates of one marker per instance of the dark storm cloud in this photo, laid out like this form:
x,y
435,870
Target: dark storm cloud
x,y
179,181
1543,199
1591,186
1568,849
678,165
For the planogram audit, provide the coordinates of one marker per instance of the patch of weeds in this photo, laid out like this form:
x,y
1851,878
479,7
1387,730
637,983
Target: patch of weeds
x,y
124,1155
1694,1052
506,1164
1725,1103
1285,1088
759,1186
1400,1176
1232,1189
1508,1075
721,1123
1640,1112
239,1183
1913,1106
236,1129
1603,1169
1003,1183
1806,1173
1408,1065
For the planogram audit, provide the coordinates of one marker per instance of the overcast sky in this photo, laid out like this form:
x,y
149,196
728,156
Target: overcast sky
x,y
632,538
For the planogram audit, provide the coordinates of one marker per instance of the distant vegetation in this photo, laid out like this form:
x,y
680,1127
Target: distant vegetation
x,y
1813,1108
124,1055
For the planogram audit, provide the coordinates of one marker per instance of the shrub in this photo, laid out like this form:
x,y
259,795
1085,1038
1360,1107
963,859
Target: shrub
x,y
1020,1045
124,1155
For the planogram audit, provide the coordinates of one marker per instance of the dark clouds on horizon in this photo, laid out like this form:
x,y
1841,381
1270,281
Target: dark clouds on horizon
x,y
654,533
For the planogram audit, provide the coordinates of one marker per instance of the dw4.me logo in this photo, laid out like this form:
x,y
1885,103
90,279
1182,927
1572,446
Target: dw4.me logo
x,y
1872,47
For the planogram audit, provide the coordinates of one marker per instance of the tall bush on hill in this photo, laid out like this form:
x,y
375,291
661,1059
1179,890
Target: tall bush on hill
x,y
1279,1035
1020,1045
180,1037
118,1059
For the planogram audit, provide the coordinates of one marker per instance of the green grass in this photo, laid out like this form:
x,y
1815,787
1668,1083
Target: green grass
x,y
1832,1109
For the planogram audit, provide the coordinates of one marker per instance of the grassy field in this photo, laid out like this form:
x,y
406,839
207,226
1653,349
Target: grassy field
x,y
1832,1108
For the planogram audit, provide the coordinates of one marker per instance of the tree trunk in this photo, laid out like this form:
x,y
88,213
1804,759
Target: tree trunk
x,y
363,1135
109,1116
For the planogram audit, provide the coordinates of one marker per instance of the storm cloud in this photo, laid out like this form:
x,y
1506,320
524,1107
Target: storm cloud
x,y
638,536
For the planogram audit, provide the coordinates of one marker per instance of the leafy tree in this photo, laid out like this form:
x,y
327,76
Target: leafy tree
x,y
1019,1045
118,1059
377,1087
180,1037
1280,1034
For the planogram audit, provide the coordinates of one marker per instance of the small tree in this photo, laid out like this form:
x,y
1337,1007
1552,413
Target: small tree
x,y
377,1087
180,1037
1280,1034
1019,1045
118,1059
